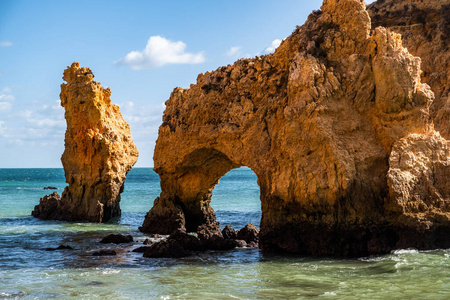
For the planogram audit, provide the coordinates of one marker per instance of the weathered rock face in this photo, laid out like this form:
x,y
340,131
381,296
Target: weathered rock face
x,y
316,121
99,152
425,30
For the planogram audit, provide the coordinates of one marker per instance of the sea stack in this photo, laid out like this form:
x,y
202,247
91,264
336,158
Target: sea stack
x,y
336,126
99,152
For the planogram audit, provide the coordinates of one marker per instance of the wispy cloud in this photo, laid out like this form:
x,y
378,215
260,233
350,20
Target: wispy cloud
x,y
48,116
5,44
159,52
233,51
274,45
6,99
2,128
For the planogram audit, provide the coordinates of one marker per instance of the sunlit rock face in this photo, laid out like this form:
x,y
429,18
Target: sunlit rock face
x,y
316,121
99,152
425,30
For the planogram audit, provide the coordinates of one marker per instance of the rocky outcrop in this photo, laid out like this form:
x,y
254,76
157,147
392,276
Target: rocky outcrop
x,y
425,30
317,122
99,152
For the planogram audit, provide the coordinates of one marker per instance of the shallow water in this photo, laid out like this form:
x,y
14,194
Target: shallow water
x,y
29,272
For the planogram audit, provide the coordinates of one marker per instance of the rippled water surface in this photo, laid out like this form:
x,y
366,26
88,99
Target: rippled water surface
x,y
27,271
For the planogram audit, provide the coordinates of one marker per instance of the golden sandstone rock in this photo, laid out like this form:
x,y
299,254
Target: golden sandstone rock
x,y
317,122
425,30
99,152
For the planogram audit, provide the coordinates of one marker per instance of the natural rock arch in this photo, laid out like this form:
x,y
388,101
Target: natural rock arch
x,y
316,121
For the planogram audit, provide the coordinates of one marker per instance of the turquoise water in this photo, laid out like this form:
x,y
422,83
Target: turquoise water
x,y
29,272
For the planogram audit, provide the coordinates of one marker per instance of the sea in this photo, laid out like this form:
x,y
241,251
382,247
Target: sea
x,y
28,271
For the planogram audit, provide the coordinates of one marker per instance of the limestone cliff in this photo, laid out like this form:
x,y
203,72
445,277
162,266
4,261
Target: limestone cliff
x,y
425,30
316,121
99,152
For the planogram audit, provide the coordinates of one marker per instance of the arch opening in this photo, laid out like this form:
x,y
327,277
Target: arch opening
x,y
236,199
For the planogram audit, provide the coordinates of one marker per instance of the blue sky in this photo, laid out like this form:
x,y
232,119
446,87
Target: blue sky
x,y
140,49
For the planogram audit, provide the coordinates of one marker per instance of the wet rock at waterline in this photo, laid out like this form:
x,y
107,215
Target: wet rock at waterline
x,y
117,239
99,152
249,234
229,233
317,121
167,248
105,253
60,247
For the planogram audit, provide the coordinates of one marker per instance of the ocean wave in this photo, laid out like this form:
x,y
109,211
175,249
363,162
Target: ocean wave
x,y
405,251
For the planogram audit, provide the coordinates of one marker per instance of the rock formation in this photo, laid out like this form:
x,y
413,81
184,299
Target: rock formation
x,y
99,152
425,30
335,124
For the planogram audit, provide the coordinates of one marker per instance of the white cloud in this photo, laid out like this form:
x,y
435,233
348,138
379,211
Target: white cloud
x,y
6,99
48,117
5,44
159,52
2,128
233,51
274,45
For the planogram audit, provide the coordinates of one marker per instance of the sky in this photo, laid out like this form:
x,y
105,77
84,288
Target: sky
x,y
142,50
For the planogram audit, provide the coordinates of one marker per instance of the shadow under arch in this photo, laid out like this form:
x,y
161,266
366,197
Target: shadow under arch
x,y
187,190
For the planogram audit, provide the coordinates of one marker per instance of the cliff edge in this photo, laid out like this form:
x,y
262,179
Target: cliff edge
x,y
99,152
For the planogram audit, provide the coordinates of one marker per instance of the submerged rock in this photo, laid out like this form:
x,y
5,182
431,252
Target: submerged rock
x,y
50,188
99,152
167,248
117,239
141,249
316,121
104,253
60,247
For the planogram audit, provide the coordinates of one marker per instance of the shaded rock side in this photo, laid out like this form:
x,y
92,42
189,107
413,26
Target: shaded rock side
x,y
425,30
99,152
316,121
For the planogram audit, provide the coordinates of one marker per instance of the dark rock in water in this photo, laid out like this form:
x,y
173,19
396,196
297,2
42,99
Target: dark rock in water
x,y
168,248
60,247
48,206
229,233
249,233
208,231
104,253
117,239
241,243
252,245
147,242
187,241
156,236
211,236
141,249
50,188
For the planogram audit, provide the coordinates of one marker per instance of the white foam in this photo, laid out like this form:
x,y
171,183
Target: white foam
x,y
405,251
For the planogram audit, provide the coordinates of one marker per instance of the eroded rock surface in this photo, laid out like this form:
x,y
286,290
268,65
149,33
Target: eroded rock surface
x,y
99,152
425,30
316,121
